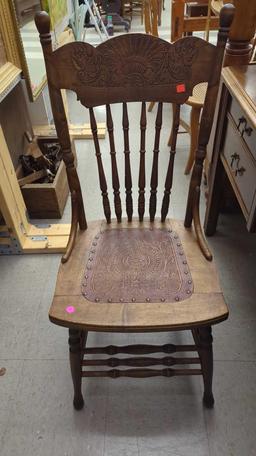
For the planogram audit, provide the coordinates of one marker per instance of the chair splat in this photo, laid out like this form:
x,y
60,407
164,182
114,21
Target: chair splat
x,y
102,178
154,173
115,178
128,175
142,174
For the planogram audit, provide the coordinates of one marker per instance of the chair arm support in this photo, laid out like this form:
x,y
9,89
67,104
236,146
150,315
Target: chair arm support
x,y
198,228
73,230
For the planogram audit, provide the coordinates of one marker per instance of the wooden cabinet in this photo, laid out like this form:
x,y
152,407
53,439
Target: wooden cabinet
x,y
240,166
234,150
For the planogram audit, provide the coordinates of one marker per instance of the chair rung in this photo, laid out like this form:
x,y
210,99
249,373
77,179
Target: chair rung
x,y
141,373
139,349
140,362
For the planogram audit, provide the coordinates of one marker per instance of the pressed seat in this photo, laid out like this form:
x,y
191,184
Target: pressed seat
x,y
136,274
204,304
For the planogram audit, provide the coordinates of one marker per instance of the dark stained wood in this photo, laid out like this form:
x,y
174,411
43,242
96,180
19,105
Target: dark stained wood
x,y
140,361
206,303
142,172
141,373
215,191
73,231
169,175
60,119
194,61
115,77
115,178
226,16
154,172
128,175
124,69
75,364
102,178
139,349
198,228
203,340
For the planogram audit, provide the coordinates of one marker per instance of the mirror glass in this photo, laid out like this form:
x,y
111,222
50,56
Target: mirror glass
x,y
30,47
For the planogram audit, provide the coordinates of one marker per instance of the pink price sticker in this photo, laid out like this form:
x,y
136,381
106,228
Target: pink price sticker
x,y
70,309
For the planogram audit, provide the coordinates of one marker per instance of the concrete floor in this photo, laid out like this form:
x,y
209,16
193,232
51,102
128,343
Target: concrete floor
x,y
126,417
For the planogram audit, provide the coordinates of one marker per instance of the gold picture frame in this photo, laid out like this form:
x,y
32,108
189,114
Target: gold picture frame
x,y
10,24
10,71
33,94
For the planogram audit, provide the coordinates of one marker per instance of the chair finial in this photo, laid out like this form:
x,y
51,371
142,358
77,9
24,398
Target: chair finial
x,y
43,22
227,13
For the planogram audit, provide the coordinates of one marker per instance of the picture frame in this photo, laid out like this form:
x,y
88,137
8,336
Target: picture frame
x,y
10,67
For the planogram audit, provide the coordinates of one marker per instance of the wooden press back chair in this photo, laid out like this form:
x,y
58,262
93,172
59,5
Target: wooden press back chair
x,y
136,275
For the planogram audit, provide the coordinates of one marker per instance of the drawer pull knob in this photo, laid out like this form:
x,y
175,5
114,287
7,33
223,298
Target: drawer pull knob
x,y
248,131
240,171
241,121
234,157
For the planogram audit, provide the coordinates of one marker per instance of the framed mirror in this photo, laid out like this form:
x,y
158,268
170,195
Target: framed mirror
x,y
10,65
28,43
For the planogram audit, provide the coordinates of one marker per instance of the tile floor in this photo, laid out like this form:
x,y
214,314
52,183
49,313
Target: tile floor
x,y
152,417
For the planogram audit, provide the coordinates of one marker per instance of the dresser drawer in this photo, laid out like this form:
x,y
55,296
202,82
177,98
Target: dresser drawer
x,y
240,166
243,126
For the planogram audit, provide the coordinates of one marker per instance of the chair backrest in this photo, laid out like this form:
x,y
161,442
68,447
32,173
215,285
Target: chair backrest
x,y
129,68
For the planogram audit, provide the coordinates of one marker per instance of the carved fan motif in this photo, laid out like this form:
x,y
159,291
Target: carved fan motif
x,y
137,64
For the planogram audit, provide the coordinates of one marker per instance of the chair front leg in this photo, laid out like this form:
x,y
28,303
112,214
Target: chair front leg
x,y
203,341
75,341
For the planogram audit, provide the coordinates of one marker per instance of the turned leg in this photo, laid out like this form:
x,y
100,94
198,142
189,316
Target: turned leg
x,y
194,129
203,341
76,340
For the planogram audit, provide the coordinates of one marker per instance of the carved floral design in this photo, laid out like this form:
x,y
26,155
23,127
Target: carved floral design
x,y
128,61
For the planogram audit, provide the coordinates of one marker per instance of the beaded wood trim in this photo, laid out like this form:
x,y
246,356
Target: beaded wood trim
x,y
137,265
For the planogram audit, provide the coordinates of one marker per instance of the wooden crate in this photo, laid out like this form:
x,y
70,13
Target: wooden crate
x,y
46,200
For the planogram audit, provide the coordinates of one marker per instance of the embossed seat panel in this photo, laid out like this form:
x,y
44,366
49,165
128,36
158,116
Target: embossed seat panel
x,y
134,265
124,254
